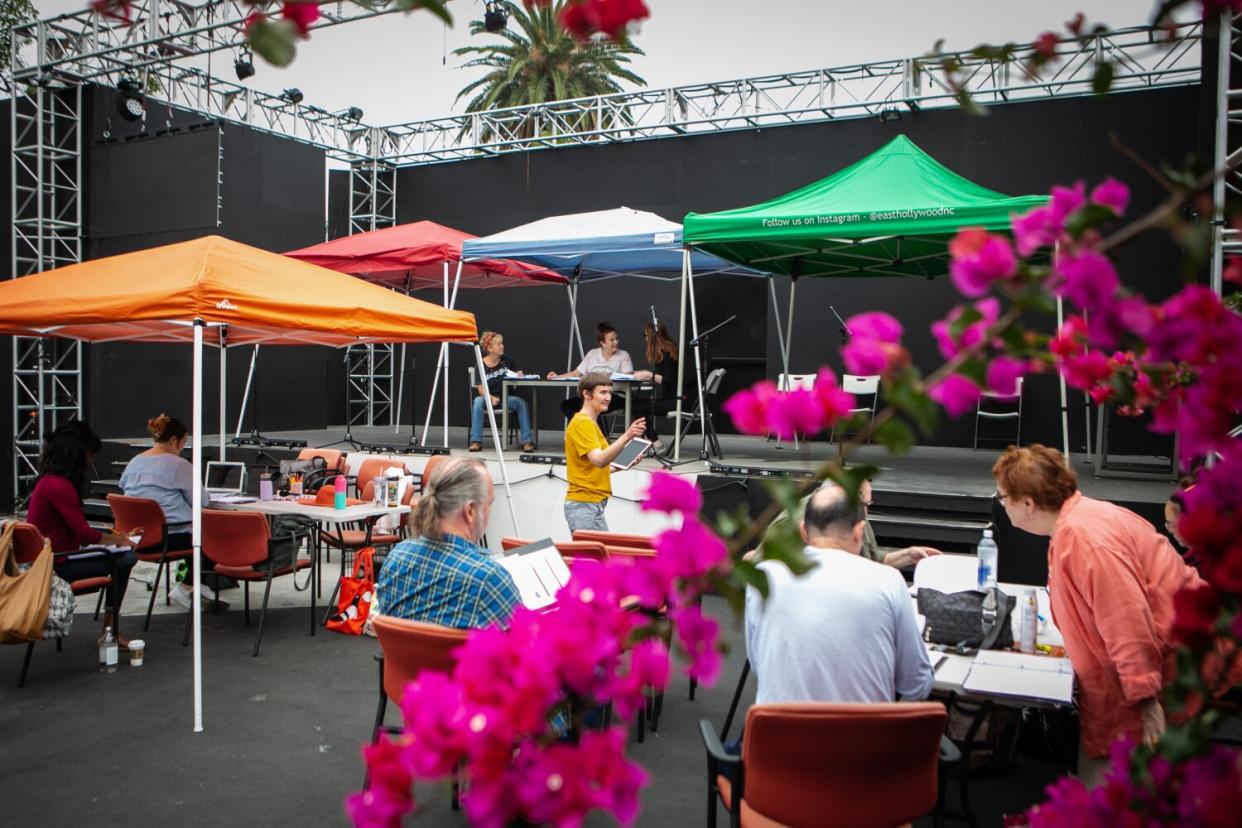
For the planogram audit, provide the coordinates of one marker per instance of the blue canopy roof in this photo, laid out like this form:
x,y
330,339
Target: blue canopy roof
x,y
601,245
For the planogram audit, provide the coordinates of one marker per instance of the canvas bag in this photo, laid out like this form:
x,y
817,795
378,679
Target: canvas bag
x,y
956,619
23,594
60,607
353,603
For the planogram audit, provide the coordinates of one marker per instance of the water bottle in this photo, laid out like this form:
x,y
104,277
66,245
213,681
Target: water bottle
x,y
392,486
986,554
183,571
108,652
265,486
1030,621
338,488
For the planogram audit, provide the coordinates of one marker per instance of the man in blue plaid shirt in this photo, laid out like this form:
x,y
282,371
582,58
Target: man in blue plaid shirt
x,y
443,576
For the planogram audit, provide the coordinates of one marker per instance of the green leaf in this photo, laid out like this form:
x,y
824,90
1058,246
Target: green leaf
x,y
436,7
1086,217
751,575
976,370
1102,81
274,41
914,404
896,435
783,542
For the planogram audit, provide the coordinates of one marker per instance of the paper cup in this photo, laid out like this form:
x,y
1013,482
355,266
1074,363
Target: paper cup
x,y
137,650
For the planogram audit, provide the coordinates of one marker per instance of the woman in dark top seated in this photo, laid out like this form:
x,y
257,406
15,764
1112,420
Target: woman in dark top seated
x,y
56,511
497,365
662,356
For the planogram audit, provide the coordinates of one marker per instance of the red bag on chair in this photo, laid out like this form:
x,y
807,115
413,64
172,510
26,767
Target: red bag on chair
x,y
357,593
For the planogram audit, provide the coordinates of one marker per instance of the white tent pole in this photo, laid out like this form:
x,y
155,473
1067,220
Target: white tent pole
x,y
224,373
445,389
396,411
681,353
578,327
1064,400
196,526
793,283
241,415
780,334
698,365
569,348
431,401
500,456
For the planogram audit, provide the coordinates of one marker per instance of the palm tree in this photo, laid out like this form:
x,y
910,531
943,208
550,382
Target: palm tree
x,y
539,62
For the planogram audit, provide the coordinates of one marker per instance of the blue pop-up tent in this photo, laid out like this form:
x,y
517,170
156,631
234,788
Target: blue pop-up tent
x,y
606,244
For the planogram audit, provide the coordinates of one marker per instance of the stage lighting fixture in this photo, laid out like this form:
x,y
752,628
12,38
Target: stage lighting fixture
x,y
494,18
244,66
353,114
293,95
889,115
129,101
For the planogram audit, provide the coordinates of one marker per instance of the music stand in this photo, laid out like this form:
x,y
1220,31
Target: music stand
x,y
348,439
702,357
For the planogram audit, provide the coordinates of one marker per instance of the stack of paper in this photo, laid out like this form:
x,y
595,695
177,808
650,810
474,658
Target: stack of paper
x,y
1002,673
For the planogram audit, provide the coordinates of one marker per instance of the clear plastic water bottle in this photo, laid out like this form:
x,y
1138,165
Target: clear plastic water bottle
x,y
987,555
1030,621
108,652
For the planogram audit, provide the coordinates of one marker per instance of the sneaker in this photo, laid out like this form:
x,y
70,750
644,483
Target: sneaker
x,y
182,598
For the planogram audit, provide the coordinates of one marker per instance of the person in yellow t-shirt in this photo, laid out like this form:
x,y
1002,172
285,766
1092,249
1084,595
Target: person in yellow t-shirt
x,y
588,455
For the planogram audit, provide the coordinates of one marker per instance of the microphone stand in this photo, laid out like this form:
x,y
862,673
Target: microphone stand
x,y
845,331
708,426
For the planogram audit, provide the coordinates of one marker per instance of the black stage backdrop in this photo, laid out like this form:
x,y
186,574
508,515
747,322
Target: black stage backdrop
x,y
1019,148
156,183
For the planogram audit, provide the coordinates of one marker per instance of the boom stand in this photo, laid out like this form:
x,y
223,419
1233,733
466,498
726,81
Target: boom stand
x,y
348,439
702,357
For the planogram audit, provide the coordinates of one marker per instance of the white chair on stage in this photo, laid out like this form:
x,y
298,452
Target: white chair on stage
x,y
860,386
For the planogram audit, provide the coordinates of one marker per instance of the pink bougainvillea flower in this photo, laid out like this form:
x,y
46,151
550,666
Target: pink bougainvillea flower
x,y
833,402
979,259
432,707
583,18
875,325
796,412
1083,371
1211,794
116,9
697,635
748,407
1046,45
689,552
955,393
1130,315
867,357
1112,194
1003,374
671,493
1233,270
1070,339
1195,610
1087,279
649,667
379,807
1066,200
615,782
972,334
301,15
1034,229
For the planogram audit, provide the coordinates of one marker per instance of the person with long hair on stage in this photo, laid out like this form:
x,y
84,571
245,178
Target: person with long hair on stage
x,y
497,365
55,509
662,357
1111,581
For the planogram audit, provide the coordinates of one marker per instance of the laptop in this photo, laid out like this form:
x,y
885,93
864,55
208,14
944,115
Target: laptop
x,y
539,572
225,481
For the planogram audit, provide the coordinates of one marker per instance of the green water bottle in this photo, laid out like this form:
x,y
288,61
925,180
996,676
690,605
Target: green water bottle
x,y
183,571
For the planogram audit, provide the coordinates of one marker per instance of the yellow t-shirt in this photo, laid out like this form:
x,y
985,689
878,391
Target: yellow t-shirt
x,y
587,483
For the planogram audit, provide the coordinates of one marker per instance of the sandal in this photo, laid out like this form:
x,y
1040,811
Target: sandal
x,y
475,447
528,447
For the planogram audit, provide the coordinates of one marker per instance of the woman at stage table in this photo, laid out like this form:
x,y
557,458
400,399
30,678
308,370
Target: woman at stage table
x,y
662,357
55,509
497,365
608,358
161,474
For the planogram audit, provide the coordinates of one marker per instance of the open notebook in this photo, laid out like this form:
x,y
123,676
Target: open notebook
x,y
1003,673
539,572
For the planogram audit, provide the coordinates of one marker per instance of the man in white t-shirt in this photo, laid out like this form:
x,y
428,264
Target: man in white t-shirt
x,y
843,632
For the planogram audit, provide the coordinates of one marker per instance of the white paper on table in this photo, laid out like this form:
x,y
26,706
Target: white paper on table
x,y
539,572
1018,674
947,573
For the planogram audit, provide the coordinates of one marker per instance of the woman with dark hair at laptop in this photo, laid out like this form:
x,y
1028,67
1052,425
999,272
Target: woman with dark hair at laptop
x,y
161,474
55,509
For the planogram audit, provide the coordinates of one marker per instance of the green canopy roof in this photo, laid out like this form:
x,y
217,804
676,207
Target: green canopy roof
x,y
890,214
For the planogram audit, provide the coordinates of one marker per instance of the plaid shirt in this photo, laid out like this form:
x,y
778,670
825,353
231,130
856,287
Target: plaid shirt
x,y
450,582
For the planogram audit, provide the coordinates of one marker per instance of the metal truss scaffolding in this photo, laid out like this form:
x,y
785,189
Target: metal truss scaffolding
x,y
372,206
1227,190
46,202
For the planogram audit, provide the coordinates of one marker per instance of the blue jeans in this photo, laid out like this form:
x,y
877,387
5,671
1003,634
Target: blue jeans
x,y
478,411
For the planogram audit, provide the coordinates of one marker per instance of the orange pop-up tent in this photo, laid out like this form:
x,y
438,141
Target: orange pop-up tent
x,y
245,295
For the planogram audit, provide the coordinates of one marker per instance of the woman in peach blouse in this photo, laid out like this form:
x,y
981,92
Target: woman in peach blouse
x,y
1111,581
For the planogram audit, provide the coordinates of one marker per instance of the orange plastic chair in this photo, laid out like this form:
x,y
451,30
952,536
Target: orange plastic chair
x,y
828,765
28,544
131,513
240,546
331,457
432,462
370,469
408,648
615,539
571,551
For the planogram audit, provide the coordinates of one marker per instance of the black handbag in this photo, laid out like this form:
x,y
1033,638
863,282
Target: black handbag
x,y
959,619
287,533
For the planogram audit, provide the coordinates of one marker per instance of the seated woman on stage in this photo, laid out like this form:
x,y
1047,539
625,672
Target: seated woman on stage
x,y
662,356
55,509
607,359
161,474
497,364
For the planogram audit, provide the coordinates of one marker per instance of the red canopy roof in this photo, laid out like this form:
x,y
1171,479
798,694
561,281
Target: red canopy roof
x,y
412,256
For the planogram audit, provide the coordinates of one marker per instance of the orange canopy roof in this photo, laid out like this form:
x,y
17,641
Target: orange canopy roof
x,y
155,295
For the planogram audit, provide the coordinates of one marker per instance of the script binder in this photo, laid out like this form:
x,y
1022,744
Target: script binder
x,y
1002,673
539,572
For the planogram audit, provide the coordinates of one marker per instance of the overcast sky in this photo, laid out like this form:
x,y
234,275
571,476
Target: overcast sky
x,y
400,68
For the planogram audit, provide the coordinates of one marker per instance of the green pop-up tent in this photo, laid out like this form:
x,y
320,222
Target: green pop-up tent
x,y
892,213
